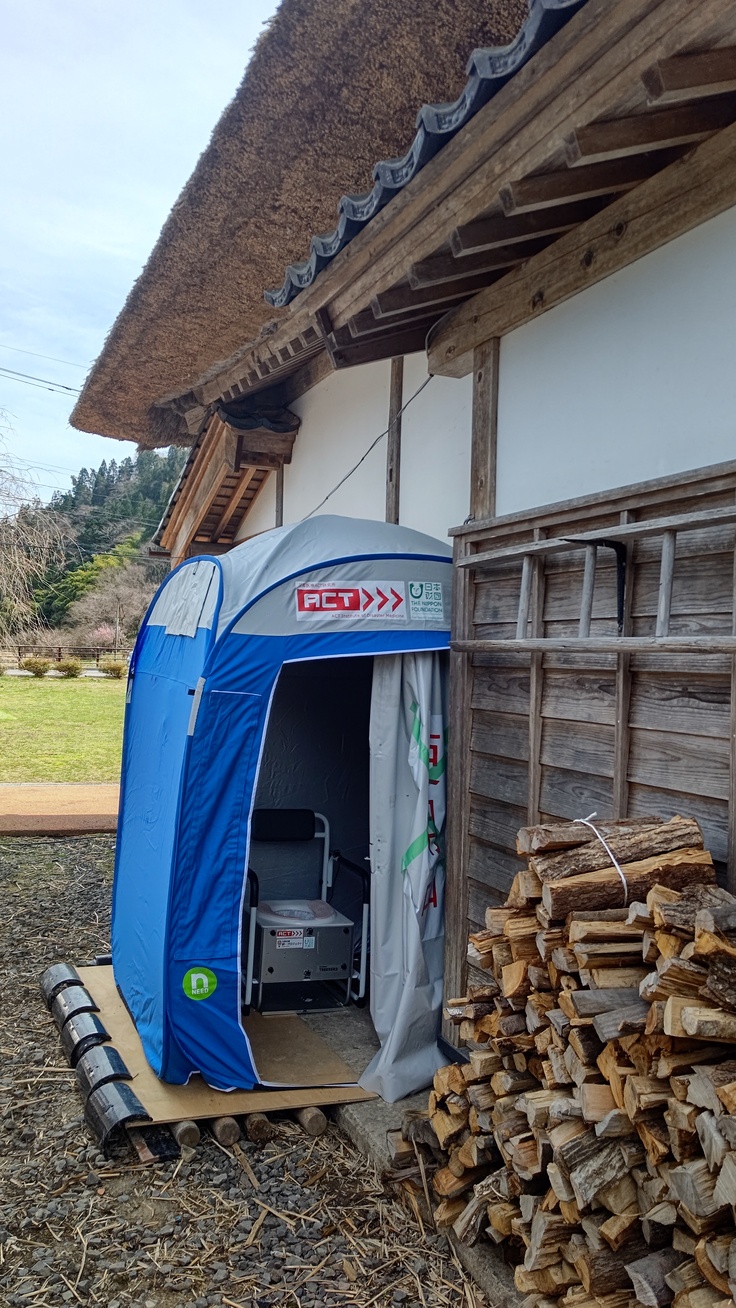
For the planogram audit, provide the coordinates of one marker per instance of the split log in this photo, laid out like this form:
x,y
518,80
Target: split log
x,y
626,847
647,1275
643,1095
621,1021
713,1144
591,1003
548,836
603,888
705,1082
447,1212
724,1191
694,1184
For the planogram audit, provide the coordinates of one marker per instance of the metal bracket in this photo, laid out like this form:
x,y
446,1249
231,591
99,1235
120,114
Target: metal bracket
x,y
619,549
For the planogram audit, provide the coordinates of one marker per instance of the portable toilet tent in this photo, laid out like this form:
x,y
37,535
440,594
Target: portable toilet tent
x,y
207,661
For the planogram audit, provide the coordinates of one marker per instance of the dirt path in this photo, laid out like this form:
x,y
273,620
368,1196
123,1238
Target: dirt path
x,y
76,1228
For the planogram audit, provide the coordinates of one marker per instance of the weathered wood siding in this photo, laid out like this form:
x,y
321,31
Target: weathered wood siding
x,y
562,734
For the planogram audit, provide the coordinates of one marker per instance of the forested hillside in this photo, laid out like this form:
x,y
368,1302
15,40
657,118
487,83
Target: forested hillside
x,y
97,574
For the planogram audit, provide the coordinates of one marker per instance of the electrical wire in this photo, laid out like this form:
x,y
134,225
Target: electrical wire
x,y
43,383
50,357
372,446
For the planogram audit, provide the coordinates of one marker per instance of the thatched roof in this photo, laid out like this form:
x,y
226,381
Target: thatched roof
x,y
332,86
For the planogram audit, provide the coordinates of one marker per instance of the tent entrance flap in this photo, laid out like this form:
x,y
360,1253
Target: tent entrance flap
x,y
408,743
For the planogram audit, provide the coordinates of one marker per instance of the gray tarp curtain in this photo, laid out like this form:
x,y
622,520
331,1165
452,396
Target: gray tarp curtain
x,y
407,821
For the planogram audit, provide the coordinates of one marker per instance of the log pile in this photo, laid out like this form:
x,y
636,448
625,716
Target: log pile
x,y
593,1130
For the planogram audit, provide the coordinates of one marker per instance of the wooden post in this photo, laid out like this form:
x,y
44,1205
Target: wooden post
x,y
666,576
458,768
731,865
393,448
536,688
622,736
485,430
279,520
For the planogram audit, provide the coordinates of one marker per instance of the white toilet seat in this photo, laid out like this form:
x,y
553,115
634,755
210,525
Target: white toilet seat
x,y
294,913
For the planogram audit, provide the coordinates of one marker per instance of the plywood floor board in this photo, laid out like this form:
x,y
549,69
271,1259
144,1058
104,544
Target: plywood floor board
x,y
285,1049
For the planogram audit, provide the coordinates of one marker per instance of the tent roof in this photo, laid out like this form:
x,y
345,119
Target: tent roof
x,y
332,86
262,562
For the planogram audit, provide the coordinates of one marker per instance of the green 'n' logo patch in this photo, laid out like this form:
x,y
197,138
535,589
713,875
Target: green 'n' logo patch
x,y
199,983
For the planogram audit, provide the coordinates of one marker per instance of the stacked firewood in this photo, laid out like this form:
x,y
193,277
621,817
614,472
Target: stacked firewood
x,y
593,1129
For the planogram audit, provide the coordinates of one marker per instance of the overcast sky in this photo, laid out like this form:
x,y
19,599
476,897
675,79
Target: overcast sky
x,y
105,106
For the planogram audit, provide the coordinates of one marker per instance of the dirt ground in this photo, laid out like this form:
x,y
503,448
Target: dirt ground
x,y
318,1230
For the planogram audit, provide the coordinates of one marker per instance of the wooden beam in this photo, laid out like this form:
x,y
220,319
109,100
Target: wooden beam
x,y
386,346
179,535
584,73
218,448
610,178
498,230
403,299
393,446
484,431
367,325
239,489
311,373
660,129
447,267
701,645
685,77
731,865
690,191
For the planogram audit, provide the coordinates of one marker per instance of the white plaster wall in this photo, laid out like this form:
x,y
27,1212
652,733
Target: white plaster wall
x,y
632,379
340,418
262,516
435,450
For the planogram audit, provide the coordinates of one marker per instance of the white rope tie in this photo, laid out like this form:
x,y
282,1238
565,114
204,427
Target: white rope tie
x,y
587,823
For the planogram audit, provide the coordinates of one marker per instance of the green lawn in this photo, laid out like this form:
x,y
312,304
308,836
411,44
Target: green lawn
x,y
60,730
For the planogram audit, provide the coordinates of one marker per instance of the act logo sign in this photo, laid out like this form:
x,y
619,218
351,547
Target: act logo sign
x,y
369,599
199,983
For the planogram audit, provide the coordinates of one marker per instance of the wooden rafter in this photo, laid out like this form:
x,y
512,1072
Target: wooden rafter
x,y
688,76
618,95
658,130
546,190
697,187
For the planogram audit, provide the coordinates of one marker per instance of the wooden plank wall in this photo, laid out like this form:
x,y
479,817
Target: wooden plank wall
x,y
562,735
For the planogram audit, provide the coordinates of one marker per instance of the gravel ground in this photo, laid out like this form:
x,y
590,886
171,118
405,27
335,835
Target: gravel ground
x,y
320,1231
